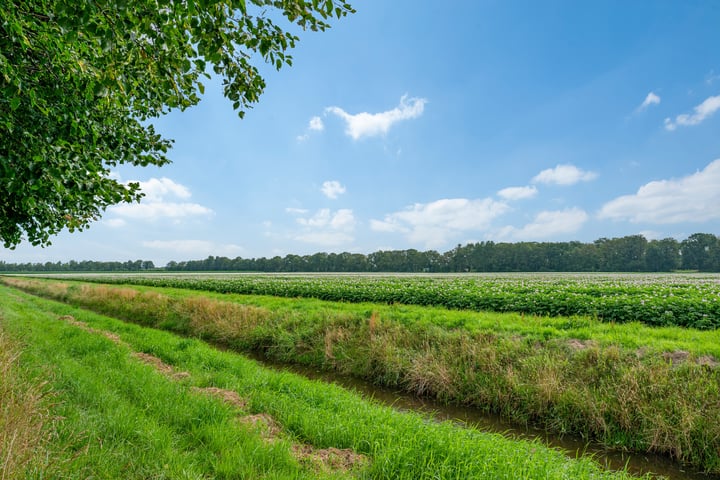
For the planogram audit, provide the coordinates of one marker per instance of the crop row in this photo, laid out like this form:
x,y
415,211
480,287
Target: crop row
x,y
660,303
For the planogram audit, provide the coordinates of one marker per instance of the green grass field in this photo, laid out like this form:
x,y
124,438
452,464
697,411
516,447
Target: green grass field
x,y
126,401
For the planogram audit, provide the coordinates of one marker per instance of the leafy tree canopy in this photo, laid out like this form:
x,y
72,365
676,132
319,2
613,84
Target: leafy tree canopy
x,y
79,81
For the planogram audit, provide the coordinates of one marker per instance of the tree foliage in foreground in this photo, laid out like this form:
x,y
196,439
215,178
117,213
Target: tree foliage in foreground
x,y
79,82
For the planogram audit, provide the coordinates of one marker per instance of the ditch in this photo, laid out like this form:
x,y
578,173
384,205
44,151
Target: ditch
x,y
638,463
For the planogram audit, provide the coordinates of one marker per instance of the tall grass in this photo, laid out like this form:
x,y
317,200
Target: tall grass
x,y
25,418
628,394
137,423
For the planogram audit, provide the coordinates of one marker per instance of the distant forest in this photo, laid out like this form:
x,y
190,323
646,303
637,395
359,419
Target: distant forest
x,y
700,251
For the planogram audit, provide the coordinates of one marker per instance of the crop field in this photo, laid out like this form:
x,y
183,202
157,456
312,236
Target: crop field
x,y
671,299
629,381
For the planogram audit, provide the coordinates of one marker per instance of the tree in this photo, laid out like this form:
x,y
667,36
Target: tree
x,y
700,252
81,80
663,255
624,254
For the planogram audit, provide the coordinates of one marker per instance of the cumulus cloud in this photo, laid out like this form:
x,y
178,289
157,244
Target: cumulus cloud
x,y
332,188
548,224
434,224
327,228
159,202
372,124
694,198
156,189
651,99
517,193
316,124
700,113
196,248
564,175
342,219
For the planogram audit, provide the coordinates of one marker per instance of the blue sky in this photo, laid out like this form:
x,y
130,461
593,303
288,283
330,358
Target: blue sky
x,y
415,125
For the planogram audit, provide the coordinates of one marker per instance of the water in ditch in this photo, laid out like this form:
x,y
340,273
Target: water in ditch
x,y
637,463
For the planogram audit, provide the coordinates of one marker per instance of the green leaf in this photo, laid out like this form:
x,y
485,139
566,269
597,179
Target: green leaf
x,y
81,79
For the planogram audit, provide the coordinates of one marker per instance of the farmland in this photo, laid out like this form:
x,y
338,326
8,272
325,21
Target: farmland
x,y
630,385
124,401
664,300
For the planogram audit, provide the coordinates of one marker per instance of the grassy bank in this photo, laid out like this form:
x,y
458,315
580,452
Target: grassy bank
x,y
25,414
143,403
628,386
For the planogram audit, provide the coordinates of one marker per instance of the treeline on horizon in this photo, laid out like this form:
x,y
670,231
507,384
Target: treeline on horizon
x,y
634,253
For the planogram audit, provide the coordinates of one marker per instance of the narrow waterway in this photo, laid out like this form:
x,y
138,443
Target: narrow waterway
x,y
637,463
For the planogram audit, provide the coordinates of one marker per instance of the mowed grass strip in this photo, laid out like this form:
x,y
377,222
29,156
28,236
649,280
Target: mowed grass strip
x,y
627,386
119,417
125,419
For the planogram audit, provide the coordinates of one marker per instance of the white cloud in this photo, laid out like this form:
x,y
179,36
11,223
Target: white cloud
x,y
320,219
157,210
563,175
548,224
155,204
114,222
517,193
694,198
342,219
700,113
332,188
434,224
651,99
296,211
327,228
197,248
372,124
156,189
316,124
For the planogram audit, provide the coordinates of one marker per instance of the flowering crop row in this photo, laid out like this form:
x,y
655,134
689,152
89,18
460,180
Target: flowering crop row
x,y
664,301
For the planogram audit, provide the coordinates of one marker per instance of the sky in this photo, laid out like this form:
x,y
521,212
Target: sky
x,y
413,125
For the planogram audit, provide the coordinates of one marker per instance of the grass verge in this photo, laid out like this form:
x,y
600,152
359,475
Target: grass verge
x,y
129,417
25,417
629,394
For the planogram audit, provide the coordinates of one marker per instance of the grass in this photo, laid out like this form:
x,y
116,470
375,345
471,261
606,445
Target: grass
x,y
24,414
627,386
123,418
